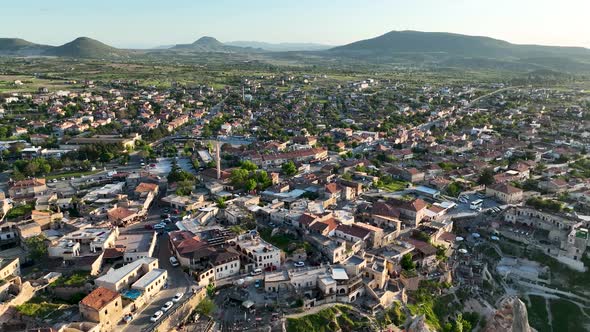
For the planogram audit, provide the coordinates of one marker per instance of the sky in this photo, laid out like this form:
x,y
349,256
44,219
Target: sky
x,y
150,23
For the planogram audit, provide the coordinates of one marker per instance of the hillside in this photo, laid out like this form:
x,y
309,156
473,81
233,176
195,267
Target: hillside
x,y
84,47
280,47
17,46
440,47
210,44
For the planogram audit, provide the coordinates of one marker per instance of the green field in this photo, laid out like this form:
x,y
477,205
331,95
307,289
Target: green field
x,y
537,310
565,315
38,307
393,186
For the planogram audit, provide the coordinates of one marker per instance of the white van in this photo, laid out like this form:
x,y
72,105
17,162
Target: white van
x,y
173,261
256,272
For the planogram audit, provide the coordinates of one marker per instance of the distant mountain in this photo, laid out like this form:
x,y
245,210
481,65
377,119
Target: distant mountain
x,y
17,46
281,47
440,47
210,44
84,47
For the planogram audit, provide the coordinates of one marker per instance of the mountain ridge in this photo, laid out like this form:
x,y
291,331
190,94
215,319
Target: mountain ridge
x,y
85,47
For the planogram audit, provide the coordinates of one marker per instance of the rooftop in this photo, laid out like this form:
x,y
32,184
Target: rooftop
x,y
115,275
138,242
99,297
148,278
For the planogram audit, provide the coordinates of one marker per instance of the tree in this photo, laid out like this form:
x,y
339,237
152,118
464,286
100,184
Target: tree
x,y
454,189
250,184
36,247
205,307
407,263
239,176
486,177
221,203
289,168
249,166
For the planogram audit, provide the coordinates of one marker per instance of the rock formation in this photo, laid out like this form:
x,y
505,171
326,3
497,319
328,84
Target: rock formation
x,y
511,316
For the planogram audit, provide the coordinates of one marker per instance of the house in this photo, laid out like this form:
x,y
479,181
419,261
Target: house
x,y
102,306
258,253
411,174
27,189
9,267
505,193
352,233
412,211
184,203
144,189
385,215
214,263
125,276
332,193
136,245
324,227
120,216
553,185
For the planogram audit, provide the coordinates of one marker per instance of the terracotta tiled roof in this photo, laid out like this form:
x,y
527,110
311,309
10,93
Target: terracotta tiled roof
x,y
413,205
505,188
120,213
28,183
329,224
332,188
423,247
385,210
99,297
145,187
353,230
307,218
186,242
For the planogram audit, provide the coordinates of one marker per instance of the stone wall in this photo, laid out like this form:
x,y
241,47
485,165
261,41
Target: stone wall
x,y
180,313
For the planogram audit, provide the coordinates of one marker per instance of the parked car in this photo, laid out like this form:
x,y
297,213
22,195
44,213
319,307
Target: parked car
x,y
256,272
174,261
160,226
177,297
165,215
299,264
167,306
128,317
156,316
148,226
258,283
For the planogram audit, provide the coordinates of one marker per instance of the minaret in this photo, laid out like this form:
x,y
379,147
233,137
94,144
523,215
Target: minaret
x,y
218,159
243,94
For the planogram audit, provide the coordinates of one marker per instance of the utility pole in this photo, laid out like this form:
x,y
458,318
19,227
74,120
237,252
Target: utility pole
x,y
218,159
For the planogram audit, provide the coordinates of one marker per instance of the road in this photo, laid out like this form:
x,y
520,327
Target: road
x,y
178,281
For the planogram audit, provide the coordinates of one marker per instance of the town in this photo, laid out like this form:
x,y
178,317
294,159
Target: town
x,y
293,201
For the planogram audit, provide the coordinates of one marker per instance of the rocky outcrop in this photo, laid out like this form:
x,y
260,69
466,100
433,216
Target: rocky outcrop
x,y
511,316
419,325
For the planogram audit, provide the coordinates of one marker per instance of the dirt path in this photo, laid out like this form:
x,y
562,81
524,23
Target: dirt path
x,y
549,315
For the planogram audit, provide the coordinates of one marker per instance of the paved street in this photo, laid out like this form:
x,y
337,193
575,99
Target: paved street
x,y
178,281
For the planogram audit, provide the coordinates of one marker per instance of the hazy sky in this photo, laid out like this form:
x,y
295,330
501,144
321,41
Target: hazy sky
x,y
146,23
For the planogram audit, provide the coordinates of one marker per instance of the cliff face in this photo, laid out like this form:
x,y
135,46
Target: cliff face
x,y
511,316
